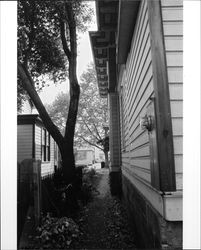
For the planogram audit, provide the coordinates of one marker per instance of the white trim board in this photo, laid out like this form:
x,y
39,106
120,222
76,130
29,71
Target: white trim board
x,y
169,205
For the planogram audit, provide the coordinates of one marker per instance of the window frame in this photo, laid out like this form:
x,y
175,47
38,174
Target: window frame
x,y
45,146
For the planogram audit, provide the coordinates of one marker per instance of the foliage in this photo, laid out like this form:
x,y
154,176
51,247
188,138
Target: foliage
x,y
38,45
39,38
92,112
58,110
21,95
57,233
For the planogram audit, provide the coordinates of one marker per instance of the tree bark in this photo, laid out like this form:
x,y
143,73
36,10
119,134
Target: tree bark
x,y
65,144
106,159
28,85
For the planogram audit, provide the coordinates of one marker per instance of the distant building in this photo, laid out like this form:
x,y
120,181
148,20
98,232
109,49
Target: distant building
x,y
84,156
99,155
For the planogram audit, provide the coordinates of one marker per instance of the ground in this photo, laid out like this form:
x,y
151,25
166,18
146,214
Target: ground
x,y
103,222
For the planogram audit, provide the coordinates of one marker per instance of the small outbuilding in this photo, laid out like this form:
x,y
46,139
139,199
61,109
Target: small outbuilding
x,y
35,142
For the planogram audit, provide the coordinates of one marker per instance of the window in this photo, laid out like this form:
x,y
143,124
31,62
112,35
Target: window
x,y
45,151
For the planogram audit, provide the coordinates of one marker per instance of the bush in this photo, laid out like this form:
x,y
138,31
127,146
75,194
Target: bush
x,y
59,199
88,189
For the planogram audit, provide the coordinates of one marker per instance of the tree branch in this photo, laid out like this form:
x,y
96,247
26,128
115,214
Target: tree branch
x,y
97,131
91,143
72,27
73,40
28,85
64,39
89,129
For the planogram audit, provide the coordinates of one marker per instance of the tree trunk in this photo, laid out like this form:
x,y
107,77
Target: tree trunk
x,y
68,163
65,144
106,159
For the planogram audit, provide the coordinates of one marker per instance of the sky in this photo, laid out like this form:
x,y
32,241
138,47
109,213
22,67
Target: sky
x,y
48,94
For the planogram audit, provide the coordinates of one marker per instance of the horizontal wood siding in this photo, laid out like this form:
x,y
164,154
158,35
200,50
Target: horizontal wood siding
x,y
172,14
37,142
24,142
48,167
52,156
137,88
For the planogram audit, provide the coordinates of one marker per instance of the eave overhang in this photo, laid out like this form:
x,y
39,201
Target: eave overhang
x,y
29,119
128,10
103,39
116,21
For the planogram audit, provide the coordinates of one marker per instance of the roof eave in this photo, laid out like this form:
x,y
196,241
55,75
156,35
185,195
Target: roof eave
x,y
128,11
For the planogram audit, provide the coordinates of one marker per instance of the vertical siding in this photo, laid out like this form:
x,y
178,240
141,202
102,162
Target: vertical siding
x,y
24,142
37,142
137,86
172,13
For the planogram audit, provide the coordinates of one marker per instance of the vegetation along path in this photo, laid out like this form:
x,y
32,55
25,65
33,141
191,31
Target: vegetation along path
x,y
103,221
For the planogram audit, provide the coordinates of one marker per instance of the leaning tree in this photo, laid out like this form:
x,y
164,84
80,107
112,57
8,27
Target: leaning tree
x,y
47,51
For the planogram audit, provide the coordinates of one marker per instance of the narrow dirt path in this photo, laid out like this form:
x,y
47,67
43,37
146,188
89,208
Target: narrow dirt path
x,y
103,222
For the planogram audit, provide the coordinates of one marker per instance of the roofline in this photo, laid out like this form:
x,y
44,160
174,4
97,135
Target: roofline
x,y
127,17
29,119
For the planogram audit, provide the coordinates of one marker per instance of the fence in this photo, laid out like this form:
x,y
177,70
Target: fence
x,y
28,192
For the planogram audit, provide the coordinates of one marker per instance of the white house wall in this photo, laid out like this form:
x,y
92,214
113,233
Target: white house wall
x,y
46,167
137,84
136,87
52,156
37,142
172,14
24,142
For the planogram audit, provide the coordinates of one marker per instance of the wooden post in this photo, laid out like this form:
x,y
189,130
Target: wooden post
x,y
162,100
37,190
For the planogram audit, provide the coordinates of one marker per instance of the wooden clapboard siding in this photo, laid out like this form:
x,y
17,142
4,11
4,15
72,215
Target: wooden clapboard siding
x,y
172,14
172,3
37,142
52,156
48,167
143,174
176,92
137,84
24,142
177,126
